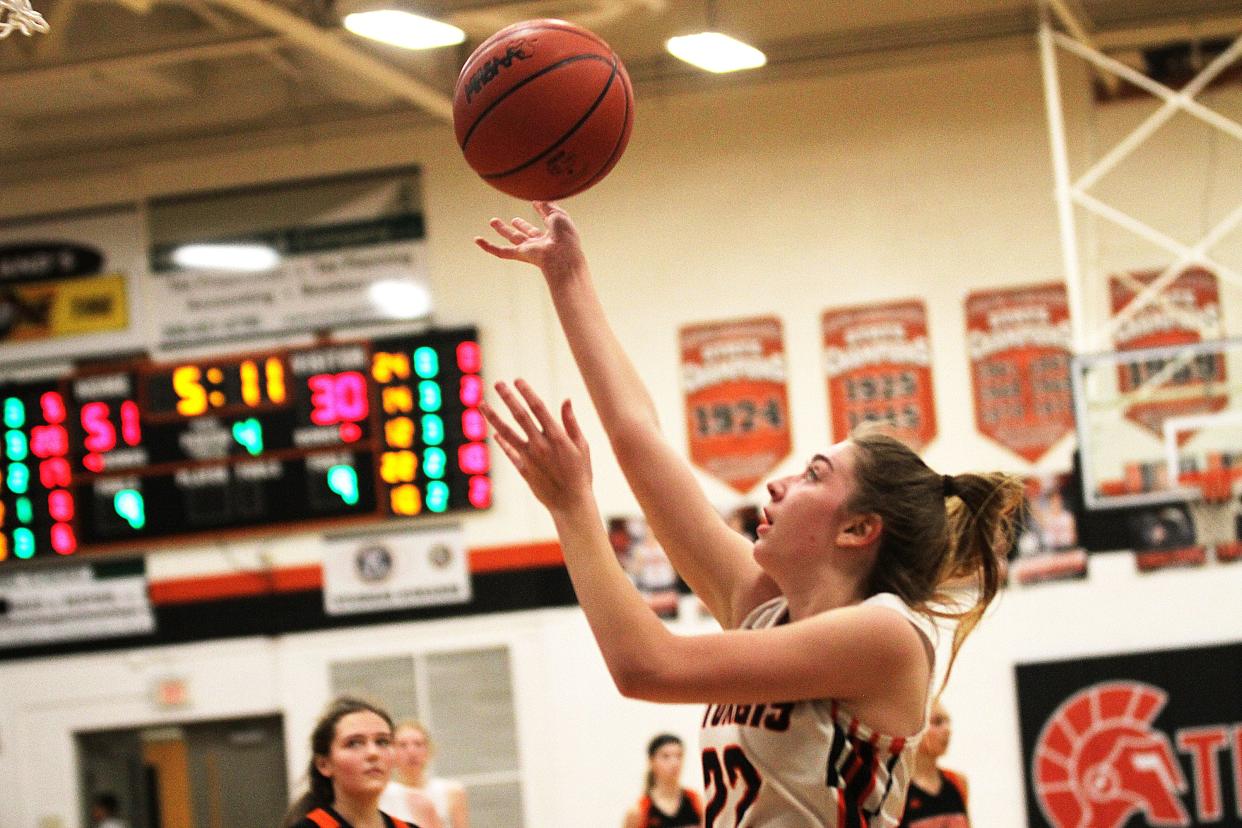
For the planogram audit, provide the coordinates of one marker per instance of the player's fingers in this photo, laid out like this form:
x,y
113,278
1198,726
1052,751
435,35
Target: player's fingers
x,y
502,428
508,231
572,429
547,422
526,227
519,412
498,252
515,456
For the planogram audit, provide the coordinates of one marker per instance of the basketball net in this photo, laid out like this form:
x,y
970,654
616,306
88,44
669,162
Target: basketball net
x,y
18,15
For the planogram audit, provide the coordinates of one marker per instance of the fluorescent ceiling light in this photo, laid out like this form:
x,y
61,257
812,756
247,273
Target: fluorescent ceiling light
x,y
400,299
404,29
715,52
241,257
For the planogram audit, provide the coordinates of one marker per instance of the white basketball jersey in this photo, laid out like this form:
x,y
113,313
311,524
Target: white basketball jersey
x,y
803,764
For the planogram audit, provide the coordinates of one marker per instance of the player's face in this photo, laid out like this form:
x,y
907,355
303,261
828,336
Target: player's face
x,y
666,762
413,748
360,759
939,729
807,510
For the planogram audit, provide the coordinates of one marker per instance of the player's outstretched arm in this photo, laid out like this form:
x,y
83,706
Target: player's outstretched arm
x,y
869,654
715,561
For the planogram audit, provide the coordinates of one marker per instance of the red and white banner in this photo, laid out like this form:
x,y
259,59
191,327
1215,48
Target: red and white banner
x,y
877,362
737,403
1139,739
1189,314
1019,345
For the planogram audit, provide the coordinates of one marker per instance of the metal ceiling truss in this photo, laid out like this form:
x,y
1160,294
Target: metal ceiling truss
x,y
1071,192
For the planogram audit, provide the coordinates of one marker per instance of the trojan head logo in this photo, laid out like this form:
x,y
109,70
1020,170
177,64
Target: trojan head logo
x,y
1098,761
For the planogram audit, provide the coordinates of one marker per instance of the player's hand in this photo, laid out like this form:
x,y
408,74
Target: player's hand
x,y
552,456
556,248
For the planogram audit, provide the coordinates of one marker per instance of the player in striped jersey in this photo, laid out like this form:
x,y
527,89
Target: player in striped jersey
x,y
818,686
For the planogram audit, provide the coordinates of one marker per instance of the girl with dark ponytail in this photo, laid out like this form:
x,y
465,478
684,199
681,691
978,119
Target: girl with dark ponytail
x,y
665,803
351,759
941,532
818,687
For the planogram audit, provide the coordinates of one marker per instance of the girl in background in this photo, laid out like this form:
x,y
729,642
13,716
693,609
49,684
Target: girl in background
x,y
937,796
351,759
665,803
412,790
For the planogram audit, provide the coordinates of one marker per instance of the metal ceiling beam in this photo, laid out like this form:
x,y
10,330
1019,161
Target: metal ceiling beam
x,y
326,44
140,61
1075,20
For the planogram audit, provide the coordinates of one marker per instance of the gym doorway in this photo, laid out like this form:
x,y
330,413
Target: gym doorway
x,y
202,775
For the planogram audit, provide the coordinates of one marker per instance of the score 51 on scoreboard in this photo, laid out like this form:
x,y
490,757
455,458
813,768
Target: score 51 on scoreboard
x,y
113,458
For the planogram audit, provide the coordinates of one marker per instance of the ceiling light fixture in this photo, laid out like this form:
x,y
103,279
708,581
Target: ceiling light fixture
x,y
715,52
398,27
244,258
399,299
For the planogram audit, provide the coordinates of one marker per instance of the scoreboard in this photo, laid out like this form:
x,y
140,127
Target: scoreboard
x,y
140,453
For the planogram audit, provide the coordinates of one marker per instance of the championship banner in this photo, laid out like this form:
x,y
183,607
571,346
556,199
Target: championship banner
x,y
65,285
338,252
877,361
1133,740
1191,314
737,403
1019,345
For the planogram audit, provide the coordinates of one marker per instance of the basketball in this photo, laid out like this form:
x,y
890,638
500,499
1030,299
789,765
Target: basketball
x,y
543,109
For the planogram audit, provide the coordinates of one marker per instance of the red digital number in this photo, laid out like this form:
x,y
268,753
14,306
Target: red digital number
x,y
64,542
471,390
472,458
480,492
469,357
131,430
473,425
338,398
53,405
100,433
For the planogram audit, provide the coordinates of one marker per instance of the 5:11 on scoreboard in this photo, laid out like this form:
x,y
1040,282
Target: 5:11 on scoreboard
x,y
140,453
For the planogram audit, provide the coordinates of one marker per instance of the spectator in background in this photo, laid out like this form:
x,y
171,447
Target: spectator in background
x,y
665,803
937,797
106,811
351,760
411,784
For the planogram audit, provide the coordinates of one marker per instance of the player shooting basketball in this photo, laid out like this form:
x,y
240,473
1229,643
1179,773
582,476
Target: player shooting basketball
x,y
818,687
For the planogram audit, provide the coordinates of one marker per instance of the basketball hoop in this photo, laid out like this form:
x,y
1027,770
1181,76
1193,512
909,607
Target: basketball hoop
x,y
18,15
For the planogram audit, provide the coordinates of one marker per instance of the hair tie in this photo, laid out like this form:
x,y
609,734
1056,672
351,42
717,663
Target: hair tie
x,y
948,484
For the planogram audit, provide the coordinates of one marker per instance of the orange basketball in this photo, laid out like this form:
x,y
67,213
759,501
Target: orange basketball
x,y
543,109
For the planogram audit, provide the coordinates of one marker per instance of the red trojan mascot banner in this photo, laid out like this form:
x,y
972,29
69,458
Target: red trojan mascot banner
x,y
737,406
1139,739
877,363
1019,345
1190,313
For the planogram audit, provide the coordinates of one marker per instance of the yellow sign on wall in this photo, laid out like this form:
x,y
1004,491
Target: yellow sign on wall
x,y
63,307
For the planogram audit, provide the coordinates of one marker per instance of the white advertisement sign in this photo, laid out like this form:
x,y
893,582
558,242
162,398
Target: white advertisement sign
x,y
68,286
377,572
305,291
73,603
